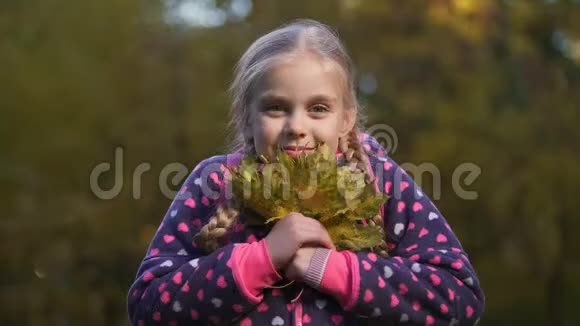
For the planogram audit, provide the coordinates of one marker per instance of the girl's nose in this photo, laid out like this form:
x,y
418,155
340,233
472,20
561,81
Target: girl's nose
x,y
296,126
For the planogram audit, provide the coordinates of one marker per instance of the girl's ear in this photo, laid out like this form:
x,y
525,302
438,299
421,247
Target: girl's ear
x,y
348,121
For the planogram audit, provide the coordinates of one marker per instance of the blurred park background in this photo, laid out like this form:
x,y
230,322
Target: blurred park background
x,y
494,83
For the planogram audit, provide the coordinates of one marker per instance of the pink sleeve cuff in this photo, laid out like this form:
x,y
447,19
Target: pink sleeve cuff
x,y
317,267
341,278
253,269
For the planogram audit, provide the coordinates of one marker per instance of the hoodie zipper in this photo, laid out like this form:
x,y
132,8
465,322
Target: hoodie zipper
x,y
298,313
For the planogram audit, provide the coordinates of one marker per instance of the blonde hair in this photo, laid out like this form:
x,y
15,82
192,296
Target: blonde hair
x,y
300,35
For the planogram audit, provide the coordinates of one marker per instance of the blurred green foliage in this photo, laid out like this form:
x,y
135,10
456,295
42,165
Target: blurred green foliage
x,y
495,83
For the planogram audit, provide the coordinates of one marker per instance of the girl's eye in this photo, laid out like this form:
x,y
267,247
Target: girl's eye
x,y
274,107
319,108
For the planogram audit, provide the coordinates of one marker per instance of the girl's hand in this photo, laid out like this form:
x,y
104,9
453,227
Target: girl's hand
x,y
290,234
299,264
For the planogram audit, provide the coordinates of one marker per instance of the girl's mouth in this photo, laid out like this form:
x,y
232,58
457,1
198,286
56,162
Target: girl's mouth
x,y
296,151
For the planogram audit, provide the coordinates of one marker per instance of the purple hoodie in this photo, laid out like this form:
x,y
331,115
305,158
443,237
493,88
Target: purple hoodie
x,y
427,280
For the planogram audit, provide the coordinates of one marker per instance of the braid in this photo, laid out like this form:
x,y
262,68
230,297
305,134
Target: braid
x,y
355,155
382,248
226,216
210,234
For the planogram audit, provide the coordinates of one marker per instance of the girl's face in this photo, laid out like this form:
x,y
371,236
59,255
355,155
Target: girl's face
x,y
297,104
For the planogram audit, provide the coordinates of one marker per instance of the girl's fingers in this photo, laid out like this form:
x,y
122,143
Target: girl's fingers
x,y
323,236
326,240
312,232
317,237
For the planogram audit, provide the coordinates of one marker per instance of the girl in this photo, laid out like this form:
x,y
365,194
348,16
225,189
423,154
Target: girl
x,y
293,88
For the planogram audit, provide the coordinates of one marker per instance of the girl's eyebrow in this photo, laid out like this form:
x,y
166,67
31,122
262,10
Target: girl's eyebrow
x,y
322,98
271,97
277,97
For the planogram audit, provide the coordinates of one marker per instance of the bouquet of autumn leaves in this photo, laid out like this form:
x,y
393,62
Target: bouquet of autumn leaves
x,y
342,199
